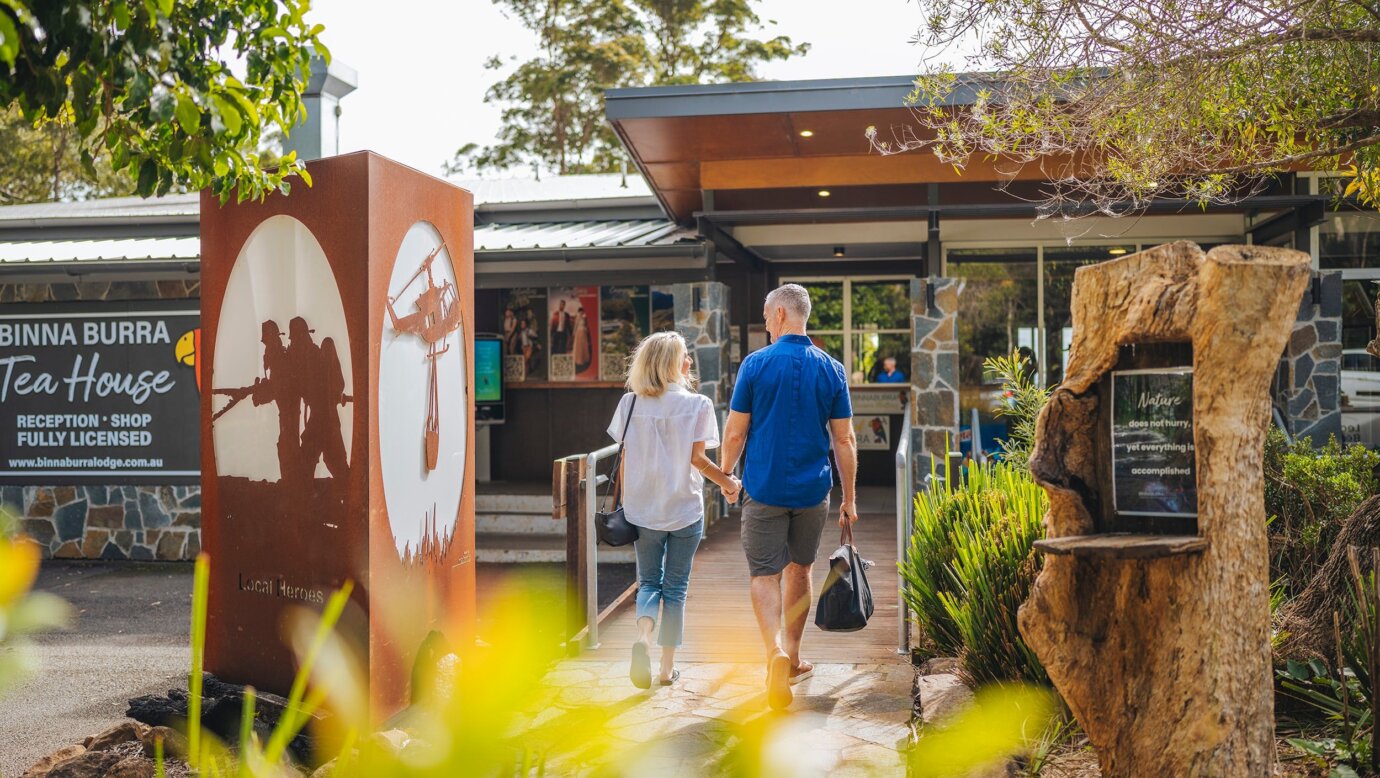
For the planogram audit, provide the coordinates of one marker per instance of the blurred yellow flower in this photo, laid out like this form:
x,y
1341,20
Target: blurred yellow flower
x,y
19,559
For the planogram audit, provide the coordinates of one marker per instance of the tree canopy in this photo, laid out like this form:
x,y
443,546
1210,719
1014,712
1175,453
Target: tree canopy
x,y
172,94
553,115
1120,103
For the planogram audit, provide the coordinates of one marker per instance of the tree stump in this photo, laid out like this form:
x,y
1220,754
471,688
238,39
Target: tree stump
x,y
1166,661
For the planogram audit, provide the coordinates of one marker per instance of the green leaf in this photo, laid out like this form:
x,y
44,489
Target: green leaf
x,y
188,115
1298,670
148,178
229,114
165,7
9,40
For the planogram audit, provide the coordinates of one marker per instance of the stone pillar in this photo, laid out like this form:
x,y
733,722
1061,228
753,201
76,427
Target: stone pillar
x,y
934,367
702,319
1309,391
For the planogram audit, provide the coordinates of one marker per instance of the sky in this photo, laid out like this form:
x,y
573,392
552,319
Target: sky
x,y
422,78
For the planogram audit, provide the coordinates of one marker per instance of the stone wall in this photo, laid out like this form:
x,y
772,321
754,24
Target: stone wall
x,y
108,521
1308,389
934,367
706,330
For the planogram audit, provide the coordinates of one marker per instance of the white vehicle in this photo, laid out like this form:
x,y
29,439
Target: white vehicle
x,y
1360,380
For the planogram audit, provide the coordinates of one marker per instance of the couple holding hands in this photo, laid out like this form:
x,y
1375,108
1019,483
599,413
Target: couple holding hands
x,y
790,407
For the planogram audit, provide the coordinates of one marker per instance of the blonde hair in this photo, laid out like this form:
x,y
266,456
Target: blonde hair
x,y
656,363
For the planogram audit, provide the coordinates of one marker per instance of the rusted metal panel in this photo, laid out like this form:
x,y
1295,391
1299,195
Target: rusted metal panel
x,y
319,424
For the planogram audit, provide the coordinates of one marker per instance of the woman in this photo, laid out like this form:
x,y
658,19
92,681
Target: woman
x,y
584,353
665,428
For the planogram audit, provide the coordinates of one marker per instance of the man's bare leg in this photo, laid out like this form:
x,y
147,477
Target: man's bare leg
x,y
798,591
766,603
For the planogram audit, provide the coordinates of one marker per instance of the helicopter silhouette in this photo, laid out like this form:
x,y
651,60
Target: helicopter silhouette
x,y
438,314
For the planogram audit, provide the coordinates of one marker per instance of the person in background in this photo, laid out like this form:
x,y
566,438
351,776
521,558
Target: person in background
x,y
889,374
668,428
790,406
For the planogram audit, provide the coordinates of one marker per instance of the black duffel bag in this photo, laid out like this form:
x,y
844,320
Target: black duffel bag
x,y
845,602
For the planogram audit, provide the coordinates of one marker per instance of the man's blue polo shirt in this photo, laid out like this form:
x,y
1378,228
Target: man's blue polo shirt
x,y
792,389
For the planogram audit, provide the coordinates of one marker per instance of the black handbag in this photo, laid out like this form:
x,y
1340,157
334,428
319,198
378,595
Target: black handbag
x,y
613,528
845,603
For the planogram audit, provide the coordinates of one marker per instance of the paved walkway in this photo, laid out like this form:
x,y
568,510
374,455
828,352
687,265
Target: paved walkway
x,y
851,718
129,638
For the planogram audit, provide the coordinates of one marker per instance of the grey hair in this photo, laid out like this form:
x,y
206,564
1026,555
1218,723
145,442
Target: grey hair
x,y
794,298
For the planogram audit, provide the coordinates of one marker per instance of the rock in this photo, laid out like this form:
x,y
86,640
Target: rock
x,y
393,740
123,732
133,767
156,710
941,696
326,770
91,764
42,766
940,665
174,743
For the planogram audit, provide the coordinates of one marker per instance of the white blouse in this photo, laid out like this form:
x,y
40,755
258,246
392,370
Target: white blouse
x,y
661,490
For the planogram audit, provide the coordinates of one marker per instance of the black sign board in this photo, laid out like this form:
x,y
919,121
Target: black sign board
x,y
1153,470
100,393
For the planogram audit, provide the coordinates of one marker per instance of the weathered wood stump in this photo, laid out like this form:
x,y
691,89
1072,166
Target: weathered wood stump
x,y
1165,661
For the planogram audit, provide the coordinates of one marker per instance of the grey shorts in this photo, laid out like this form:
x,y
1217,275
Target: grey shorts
x,y
774,536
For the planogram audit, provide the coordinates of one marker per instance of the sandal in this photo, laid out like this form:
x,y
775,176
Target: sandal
x,y
675,676
802,671
779,695
640,671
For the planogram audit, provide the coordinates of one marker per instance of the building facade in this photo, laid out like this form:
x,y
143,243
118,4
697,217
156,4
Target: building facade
x,y
918,273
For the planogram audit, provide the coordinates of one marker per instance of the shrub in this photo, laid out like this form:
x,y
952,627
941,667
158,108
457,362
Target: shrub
x,y
971,565
1022,400
1309,493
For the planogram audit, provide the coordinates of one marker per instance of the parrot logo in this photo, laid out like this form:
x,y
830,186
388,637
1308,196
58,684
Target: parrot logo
x,y
187,350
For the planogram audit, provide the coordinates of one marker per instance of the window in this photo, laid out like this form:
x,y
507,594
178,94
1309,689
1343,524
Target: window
x,y
862,322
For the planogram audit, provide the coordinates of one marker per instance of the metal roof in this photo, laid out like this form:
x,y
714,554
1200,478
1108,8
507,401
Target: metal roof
x,y
122,249
616,237
582,234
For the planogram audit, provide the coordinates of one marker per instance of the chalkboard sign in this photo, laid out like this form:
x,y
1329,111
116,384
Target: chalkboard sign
x,y
1153,471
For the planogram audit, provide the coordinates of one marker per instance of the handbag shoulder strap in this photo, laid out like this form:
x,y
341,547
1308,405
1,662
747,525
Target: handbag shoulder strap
x,y
615,483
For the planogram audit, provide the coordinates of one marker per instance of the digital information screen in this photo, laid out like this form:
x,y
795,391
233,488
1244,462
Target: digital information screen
x,y
488,378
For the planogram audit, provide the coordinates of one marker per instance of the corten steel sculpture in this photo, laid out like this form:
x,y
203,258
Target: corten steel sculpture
x,y
1161,646
297,492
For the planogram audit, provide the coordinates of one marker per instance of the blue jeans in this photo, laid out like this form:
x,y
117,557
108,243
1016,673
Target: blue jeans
x,y
663,577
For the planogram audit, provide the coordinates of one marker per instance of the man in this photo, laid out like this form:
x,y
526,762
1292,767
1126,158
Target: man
x,y
789,404
560,330
889,374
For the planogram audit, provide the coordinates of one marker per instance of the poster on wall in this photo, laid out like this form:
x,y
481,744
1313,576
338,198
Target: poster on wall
x,y
1153,459
524,334
624,319
663,309
572,333
100,393
873,432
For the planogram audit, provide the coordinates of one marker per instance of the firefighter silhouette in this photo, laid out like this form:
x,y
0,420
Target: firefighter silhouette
x,y
301,375
323,389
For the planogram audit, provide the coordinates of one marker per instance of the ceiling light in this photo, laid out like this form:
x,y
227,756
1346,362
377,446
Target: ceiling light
x,y
824,193
807,133
838,251
1116,252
